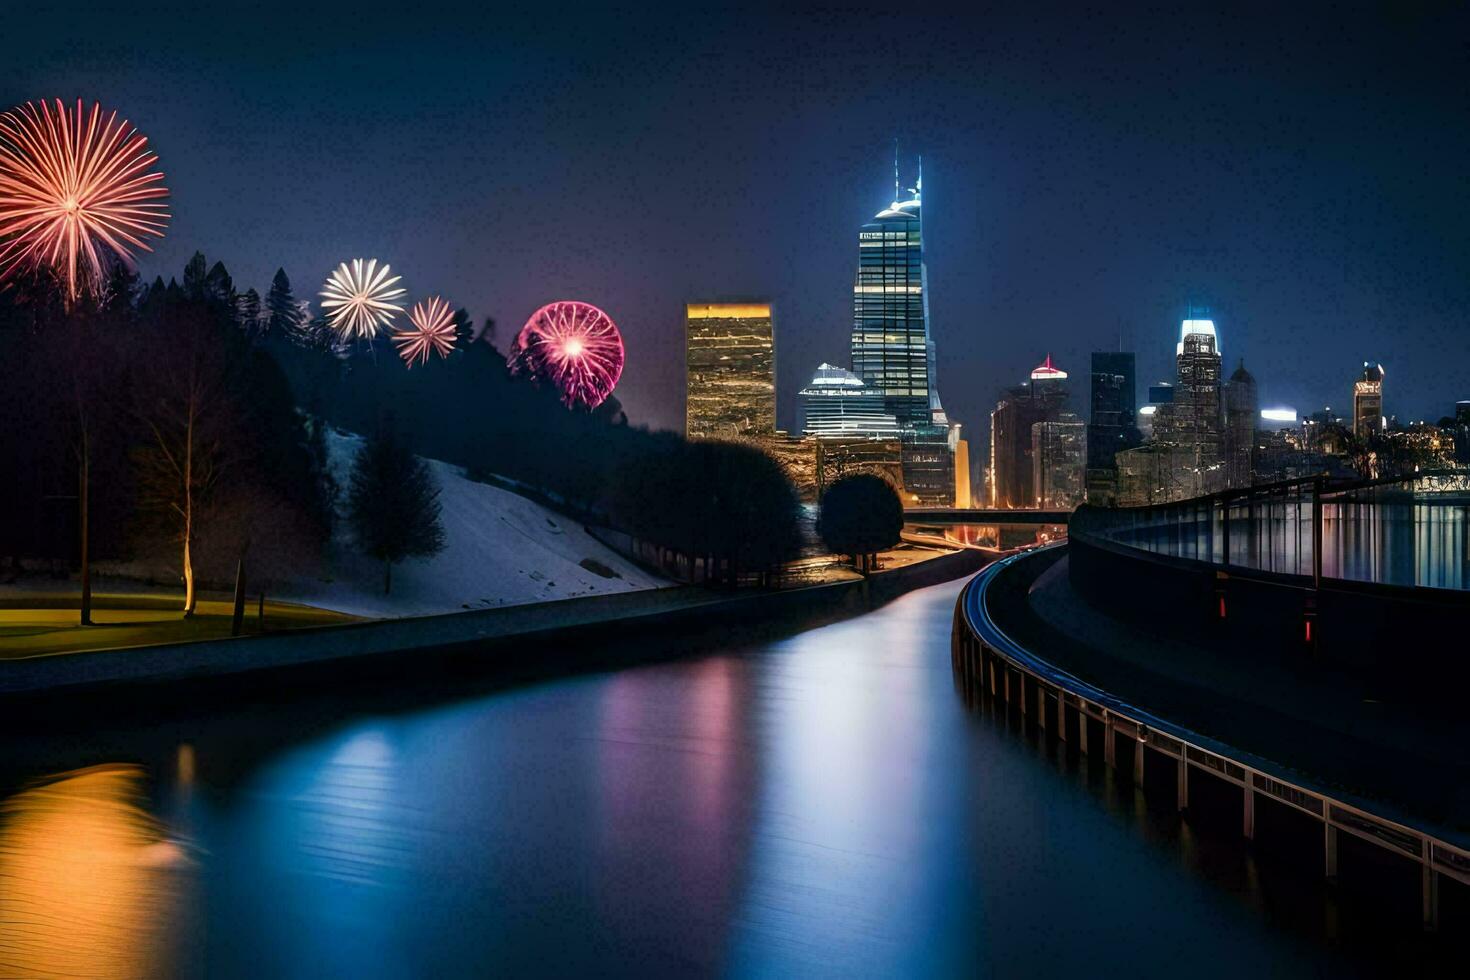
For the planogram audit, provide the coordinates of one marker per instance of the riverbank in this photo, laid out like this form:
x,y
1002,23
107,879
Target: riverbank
x,y
45,624
480,639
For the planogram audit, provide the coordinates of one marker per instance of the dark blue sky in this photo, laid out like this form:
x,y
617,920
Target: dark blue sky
x,y
1087,171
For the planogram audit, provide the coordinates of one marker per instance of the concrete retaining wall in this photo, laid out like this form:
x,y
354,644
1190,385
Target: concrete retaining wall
x,y
1358,625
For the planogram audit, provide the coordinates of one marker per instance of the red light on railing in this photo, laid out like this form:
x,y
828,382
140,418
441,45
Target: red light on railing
x,y
1309,631
1222,605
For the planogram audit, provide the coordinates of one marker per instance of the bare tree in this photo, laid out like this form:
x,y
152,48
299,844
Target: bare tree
x,y
182,398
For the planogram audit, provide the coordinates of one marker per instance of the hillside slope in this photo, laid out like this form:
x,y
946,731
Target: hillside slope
x,y
500,549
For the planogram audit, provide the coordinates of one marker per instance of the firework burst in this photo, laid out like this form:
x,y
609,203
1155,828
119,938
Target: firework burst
x,y
358,299
74,187
431,328
576,347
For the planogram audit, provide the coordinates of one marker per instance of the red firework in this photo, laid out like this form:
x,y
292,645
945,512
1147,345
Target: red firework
x,y
73,187
573,345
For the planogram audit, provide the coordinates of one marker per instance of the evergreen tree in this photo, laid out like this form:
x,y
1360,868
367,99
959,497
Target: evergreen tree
x,y
247,311
283,316
195,274
120,292
464,328
219,287
393,503
153,295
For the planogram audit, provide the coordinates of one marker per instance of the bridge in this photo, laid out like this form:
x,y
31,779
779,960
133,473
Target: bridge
x,y
941,515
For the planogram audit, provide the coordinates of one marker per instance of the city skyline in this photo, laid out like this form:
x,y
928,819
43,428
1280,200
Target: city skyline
x,y
476,498
1376,263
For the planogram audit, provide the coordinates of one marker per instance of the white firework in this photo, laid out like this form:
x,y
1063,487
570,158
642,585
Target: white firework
x,y
358,300
431,328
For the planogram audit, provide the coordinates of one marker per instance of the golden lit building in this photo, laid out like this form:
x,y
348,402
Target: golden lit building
x,y
731,370
962,475
1368,401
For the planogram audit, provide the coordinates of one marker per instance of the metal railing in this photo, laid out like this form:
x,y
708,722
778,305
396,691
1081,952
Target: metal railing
x,y
1405,531
989,662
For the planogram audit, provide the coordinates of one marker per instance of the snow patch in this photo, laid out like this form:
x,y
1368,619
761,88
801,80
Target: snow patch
x,y
501,549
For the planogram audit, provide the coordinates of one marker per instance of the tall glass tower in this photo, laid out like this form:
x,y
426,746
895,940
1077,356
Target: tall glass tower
x,y
892,351
891,348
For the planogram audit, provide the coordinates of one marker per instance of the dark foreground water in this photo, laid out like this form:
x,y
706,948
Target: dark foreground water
x,y
822,804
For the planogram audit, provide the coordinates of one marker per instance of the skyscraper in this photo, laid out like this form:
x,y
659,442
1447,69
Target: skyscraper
x,y
1114,423
1058,455
892,350
1368,401
1042,398
1241,412
731,370
1193,425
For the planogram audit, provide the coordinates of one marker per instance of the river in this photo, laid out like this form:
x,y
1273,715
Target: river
x,y
818,804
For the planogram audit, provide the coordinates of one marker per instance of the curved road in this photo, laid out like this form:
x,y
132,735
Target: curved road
x,y
819,805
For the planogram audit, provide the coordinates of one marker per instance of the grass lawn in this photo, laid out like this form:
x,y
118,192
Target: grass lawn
x,y
42,625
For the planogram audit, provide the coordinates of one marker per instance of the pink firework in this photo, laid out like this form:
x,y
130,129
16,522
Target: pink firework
x,y
573,345
431,328
74,186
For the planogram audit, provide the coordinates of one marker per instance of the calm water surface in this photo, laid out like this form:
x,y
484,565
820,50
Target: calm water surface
x,y
821,804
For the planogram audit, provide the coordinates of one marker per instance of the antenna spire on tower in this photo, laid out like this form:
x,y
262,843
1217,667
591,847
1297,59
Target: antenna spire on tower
x,y
896,191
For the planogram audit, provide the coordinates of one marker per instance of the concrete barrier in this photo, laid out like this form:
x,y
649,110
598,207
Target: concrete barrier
x,y
1357,625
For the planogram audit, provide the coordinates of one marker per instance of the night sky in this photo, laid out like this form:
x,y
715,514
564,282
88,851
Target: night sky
x,y
1086,173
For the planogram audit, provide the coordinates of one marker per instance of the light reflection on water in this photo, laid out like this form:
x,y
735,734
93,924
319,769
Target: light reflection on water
x,y
89,883
821,804
1400,543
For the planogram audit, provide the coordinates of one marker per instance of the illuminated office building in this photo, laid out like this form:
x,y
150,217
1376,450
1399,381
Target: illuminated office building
x,y
1114,423
962,475
1241,413
1192,425
1042,398
731,370
892,350
1368,401
1058,461
837,405
928,464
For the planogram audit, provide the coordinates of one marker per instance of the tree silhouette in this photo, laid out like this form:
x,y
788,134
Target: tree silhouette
x,y
247,311
861,515
726,507
282,317
393,503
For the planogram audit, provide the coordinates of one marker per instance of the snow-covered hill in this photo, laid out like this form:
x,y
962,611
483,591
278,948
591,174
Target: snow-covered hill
x,y
500,549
